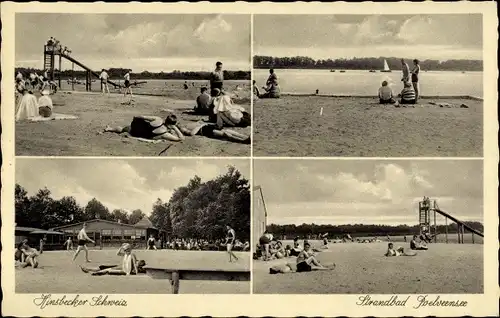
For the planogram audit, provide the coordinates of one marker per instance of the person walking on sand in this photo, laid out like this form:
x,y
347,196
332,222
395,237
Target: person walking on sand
x,y
68,244
414,78
104,81
83,238
230,238
217,78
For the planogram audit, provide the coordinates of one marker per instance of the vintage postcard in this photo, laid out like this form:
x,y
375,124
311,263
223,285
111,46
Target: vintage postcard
x,y
249,159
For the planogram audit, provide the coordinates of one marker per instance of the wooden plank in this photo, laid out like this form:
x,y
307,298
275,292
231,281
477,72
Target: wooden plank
x,y
199,274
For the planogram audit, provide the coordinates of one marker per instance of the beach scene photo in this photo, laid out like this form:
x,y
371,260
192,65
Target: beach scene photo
x,y
112,226
368,85
368,227
132,84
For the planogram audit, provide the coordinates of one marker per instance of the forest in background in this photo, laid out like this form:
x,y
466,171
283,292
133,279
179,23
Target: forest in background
x,y
118,73
368,63
358,230
196,210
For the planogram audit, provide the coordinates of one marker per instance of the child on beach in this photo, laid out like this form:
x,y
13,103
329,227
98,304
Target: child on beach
x,y
130,265
385,94
45,105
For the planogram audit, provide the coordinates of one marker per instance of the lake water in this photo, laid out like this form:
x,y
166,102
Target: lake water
x,y
354,82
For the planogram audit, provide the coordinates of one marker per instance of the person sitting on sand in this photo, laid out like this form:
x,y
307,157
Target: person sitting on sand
x,y
325,243
203,102
272,87
414,245
45,105
306,261
408,94
226,114
27,107
385,94
130,265
277,250
255,88
393,252
295,251
29,256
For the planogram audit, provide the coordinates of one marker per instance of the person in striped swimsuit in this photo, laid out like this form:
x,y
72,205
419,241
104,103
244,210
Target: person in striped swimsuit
x,y
408,94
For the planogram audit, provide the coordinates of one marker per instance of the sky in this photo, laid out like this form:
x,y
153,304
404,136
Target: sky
x,y
367,191
118,184
441,37
152,42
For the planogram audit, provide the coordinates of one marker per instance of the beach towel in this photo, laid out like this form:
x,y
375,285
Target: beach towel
x,y
53,117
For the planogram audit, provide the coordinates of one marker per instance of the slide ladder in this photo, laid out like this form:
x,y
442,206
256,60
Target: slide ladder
x,y
50,52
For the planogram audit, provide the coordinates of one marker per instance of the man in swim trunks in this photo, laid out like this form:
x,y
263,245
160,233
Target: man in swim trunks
x,y
83,238
230,238
203,102
217,78
414,245
68,244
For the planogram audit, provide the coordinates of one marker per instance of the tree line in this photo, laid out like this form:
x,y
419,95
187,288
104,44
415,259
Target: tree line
x,y
197,210
118,73
368,63
358,230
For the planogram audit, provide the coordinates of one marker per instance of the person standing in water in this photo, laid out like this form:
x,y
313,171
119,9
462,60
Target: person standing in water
x,y
83,238
216,78
414,78
230,238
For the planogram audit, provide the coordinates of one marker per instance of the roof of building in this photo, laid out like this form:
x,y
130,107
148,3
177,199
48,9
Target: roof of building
x,y
143,225
34,230
145,222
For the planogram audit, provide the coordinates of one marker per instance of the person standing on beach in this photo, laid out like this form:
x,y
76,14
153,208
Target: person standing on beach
x,y
230,238
104,81
414,78
128,89
406,72
217,78
83,238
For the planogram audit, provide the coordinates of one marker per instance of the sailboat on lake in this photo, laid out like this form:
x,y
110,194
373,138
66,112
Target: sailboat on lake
x,y
386,67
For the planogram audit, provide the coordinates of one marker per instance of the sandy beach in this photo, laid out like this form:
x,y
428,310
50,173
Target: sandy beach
x,y
357,126
362,269
81,137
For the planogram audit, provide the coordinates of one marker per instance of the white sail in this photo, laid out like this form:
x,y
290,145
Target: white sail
x,y
386,66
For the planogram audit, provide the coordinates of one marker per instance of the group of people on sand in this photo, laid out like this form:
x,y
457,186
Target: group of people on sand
x,y
270,248
411,90
272,88
127,85
400,251
29,107
25,255
218,106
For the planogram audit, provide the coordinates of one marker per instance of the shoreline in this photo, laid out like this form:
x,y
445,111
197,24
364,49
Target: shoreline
x,y
469,97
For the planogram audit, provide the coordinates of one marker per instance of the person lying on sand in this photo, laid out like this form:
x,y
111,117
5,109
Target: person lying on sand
x,y
151,128
414,245
385,94
27,107
306,261
399,252
130,264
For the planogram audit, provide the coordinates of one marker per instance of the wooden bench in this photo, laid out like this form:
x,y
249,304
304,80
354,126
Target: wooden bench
x,y
175,275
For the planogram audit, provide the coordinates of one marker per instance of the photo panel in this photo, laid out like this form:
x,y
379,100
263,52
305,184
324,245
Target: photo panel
x,y
82,222
344,85
85,82
368,227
